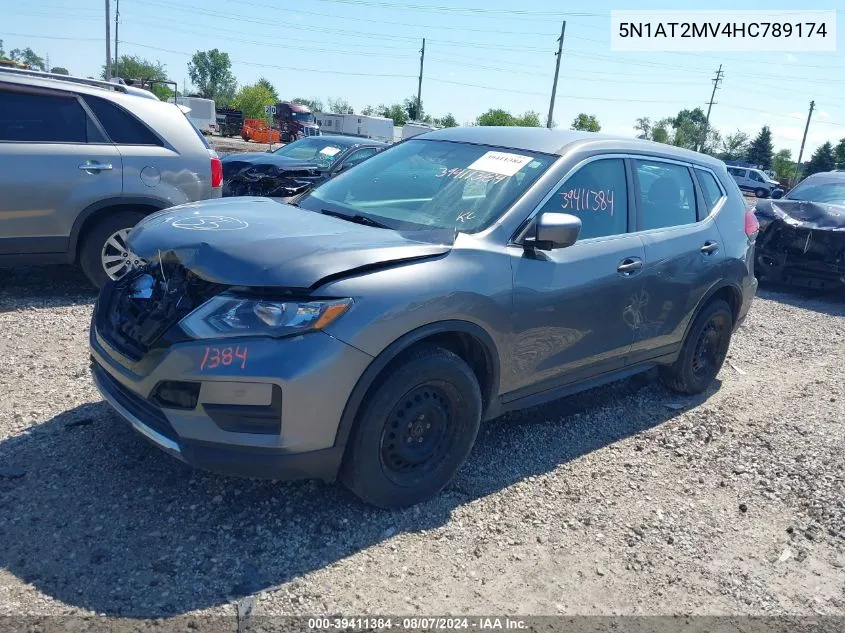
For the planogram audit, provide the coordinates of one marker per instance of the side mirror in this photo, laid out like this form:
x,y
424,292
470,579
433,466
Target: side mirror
x,y
549,231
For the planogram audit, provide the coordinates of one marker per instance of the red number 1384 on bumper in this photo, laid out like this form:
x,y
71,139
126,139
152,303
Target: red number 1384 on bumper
x,y
215,357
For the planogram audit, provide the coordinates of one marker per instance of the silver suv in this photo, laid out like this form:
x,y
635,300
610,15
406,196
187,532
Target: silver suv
x,y
83,162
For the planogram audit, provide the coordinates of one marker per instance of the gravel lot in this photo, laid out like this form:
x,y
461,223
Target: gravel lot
x,y
623,500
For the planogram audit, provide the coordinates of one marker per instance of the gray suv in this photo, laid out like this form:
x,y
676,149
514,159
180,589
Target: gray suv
x,y
83,162
366,330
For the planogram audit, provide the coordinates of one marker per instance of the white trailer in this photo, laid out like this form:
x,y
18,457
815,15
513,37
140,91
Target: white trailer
x,y
413,128
374,127
202,113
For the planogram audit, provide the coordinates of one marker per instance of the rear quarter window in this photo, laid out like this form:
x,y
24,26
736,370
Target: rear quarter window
x,y
710,188
121,126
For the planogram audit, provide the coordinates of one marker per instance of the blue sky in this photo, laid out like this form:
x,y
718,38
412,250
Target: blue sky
x,y
479,54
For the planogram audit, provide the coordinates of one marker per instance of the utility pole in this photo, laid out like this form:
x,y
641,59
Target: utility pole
x,y
557,71
803,140
108,43
715,81
419,86
116,17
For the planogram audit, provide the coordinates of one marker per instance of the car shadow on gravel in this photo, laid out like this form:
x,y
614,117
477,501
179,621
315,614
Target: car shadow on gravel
x,y
35,287
95,517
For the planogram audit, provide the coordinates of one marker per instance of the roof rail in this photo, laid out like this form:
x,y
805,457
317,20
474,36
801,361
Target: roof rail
x,y
99,83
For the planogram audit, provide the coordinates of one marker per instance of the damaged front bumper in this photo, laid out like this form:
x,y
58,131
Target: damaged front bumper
x,y
272,414
801,244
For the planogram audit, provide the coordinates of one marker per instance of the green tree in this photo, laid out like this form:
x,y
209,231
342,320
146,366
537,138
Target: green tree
x,y
315,105
734,146
495,116
660,132
839,154
137,69
28,57
586,122
211,72
644,126
822,160
59,70
270,87
413,108
340,106
761,150
395,112
688,127
2,52
529,119
369,111
252,99
783,165
447,121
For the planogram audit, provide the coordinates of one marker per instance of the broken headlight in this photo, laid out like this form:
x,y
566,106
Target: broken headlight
x,y
228,315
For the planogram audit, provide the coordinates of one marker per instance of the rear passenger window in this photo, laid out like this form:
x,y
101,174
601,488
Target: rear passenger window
x,y
666,195
711,189
597,194
39,118
122,127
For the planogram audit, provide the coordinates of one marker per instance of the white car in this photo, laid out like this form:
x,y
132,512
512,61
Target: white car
x,y
754,180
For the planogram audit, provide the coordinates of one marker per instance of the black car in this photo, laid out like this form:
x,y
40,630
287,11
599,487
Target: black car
x,y
294,168
802,235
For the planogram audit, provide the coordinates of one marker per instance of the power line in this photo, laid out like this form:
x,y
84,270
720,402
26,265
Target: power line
x,y
471,10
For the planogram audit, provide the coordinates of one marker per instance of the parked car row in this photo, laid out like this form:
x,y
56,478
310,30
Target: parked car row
x,y
363,325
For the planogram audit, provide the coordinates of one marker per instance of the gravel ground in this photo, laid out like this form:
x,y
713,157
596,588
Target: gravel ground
x,y
624,500
230,145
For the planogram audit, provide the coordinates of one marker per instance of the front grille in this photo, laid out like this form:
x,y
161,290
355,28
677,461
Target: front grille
x,y
142,306
142,409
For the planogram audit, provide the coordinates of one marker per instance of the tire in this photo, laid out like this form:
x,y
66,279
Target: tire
x,y
703,352
390,464
761,193
91,252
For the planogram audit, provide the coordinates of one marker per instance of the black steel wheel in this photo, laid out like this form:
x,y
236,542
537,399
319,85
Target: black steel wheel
x,y
415,429
703,352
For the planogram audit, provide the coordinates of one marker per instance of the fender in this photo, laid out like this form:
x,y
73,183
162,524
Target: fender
x,y
720,285
156,204
392,351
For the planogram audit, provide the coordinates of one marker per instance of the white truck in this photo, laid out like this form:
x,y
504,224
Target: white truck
x,y
203,112
374,127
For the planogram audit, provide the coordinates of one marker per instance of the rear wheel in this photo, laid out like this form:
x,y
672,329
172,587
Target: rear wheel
x,y
761,193
416,429
104,254
703,352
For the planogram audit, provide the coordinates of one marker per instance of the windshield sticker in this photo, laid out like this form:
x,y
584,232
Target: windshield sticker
x,y
330,151
470,175
587,200
501,163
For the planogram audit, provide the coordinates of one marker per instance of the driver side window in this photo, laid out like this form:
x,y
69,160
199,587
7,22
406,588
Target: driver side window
x,y
597,194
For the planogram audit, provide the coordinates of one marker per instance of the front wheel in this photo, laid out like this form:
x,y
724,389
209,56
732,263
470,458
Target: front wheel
x,y
761,193
416,429
703,352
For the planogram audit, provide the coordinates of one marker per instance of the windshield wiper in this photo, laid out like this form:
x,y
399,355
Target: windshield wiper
x,y
358,219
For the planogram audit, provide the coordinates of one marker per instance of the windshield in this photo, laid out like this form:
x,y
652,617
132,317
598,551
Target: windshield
x,y
828,192
427,184
315,148
303,117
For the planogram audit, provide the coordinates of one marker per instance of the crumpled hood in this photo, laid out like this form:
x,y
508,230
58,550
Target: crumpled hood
x,y
255,242
237,162
816,216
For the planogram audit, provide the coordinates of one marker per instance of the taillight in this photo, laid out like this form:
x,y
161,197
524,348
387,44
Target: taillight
x,y
751,223
217,173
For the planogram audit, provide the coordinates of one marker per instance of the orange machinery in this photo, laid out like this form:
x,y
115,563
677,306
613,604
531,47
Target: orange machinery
x,y
257,130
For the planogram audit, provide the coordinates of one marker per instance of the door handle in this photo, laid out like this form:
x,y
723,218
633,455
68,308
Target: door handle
x,y
629,266
92,166
709,247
